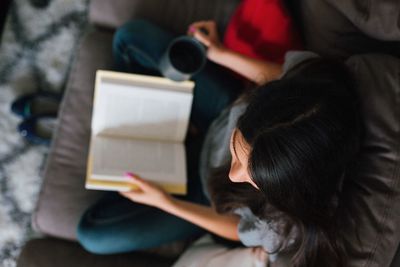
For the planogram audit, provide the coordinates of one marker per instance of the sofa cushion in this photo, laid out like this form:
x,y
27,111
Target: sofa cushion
x,y
374,183
376,18
340,28
63,196
174,15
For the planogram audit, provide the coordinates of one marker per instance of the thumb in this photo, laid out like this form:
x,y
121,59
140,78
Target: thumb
x,y
202,37
137,181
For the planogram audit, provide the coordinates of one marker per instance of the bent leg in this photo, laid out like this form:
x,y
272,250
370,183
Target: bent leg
x,y
116,225
138,46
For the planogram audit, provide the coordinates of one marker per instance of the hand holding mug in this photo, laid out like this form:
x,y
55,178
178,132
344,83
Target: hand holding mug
x,y
206,32
184,57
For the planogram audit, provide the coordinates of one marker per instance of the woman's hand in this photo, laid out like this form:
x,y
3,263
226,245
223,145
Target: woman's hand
x,y
206,32
147,193
255,70
203,216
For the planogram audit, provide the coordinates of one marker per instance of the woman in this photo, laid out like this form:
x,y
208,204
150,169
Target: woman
x,y
289,152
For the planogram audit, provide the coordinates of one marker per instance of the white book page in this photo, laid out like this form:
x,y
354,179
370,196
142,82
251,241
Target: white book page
x,y
160,162
128,110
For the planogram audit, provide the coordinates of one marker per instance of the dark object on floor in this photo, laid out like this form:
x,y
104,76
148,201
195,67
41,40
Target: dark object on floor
x,y
36,104
38,129
40,3
4,6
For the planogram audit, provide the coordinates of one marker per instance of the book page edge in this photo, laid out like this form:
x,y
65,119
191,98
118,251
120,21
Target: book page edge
x,y
126,186
185,86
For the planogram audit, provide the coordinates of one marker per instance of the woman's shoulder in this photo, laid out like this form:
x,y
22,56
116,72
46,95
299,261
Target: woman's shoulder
x,y
294,58
254,231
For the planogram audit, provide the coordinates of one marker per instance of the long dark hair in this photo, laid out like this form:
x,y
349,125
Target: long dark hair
x,y
304,132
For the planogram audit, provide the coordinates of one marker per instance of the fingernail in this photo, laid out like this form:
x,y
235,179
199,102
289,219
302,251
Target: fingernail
x,y
192,29
129,174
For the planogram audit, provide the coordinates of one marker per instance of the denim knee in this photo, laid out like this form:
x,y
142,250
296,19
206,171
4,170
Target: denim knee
x,y
101,241
90,239
127,34
139,43
133,31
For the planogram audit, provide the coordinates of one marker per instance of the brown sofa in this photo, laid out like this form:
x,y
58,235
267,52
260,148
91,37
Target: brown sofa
x,y
330,27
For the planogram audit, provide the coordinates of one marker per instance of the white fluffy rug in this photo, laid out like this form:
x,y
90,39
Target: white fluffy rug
x,y
35,54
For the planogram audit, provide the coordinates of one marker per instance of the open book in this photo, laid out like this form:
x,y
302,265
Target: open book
x,y
139,124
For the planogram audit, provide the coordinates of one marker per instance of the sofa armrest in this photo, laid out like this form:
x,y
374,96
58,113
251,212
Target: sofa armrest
x,y
63,197
48,252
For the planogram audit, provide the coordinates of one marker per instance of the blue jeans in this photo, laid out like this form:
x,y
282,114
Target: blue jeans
x,y
115,224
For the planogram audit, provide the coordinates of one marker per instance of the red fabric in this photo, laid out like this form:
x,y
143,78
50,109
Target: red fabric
x,y
262,29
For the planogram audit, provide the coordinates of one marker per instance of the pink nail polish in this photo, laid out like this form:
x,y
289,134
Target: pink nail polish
x,y
129,174
192,29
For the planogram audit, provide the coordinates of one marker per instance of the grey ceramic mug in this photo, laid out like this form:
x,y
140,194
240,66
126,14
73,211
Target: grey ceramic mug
x,y
184,57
